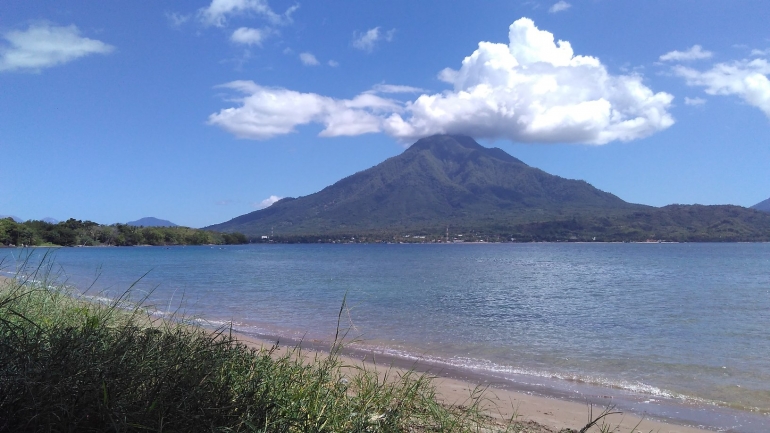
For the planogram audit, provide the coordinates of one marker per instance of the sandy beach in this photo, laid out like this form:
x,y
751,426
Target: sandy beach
x,y
540,414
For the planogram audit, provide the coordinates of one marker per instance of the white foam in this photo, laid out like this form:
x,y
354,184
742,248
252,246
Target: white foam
x,y
507,371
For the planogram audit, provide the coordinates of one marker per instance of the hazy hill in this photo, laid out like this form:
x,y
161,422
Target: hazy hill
x,y
15,218
763,206
453,181
151,222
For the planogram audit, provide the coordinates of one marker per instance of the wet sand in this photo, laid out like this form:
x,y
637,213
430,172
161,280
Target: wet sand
x,y
540,413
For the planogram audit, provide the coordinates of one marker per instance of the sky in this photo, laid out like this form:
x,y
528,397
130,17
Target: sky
x,y
199,111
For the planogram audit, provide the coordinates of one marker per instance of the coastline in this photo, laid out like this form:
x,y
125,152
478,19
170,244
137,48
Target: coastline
x,y
544,410
541,410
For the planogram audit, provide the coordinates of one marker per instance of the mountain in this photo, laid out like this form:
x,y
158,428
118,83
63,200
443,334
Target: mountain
x,y
450,180
50,220
438,181
15,218
763,206
151,222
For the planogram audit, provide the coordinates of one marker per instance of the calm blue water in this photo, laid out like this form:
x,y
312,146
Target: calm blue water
x,y
662,324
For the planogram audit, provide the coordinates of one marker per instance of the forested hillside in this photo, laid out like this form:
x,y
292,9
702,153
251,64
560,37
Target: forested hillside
x,y
88,233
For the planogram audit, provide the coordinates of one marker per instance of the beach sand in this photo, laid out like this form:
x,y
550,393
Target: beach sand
x,y
540,414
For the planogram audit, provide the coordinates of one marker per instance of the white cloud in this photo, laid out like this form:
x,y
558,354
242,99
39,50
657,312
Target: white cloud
x,y
308,59
267,202
760,53
367,40
694,101
747,79
696,52
531,90
44,45
249,36
217,13
333,63
395,88
559,6
176,20
266,112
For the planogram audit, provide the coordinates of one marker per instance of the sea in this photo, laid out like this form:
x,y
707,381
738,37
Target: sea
x,y
676,332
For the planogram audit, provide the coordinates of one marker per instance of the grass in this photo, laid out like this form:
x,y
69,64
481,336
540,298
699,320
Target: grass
x,y
68,364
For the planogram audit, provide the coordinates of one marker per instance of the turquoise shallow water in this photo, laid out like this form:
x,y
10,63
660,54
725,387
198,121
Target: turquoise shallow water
x,y
675,330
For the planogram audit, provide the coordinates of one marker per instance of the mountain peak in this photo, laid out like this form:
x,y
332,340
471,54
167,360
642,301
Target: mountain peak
x,y
449,146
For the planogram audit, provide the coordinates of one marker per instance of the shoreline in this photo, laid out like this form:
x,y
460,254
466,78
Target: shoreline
x,y
551,408
453,386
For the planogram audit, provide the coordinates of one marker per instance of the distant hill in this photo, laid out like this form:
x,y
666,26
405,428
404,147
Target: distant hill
x,y
763,206
450,180
15,218
50,220
151,222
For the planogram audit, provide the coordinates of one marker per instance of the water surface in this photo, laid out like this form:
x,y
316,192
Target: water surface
x,y
675,330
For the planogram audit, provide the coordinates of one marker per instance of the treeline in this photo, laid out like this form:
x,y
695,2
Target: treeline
x,y
88,233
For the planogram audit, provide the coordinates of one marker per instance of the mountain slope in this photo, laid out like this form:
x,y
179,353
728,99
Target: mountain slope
x,y
763,206
440,180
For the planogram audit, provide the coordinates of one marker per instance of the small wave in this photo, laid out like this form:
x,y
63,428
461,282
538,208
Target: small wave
x,y
507,371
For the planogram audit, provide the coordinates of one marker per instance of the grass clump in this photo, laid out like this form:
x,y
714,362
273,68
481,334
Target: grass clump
x,y
68,364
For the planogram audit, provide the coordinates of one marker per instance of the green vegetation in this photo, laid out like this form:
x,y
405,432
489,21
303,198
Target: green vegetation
x,y
67,364
675,223
88,233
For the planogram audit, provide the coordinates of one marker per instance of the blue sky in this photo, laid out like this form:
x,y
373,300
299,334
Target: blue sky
x,y
198,112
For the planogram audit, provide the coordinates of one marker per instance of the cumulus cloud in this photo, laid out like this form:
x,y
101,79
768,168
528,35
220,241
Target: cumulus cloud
x,y
217,13
747,79
530,90
696,52
760,53
333,63
367,40
267,202
559,6
249,36
44,45
694,101
308,59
